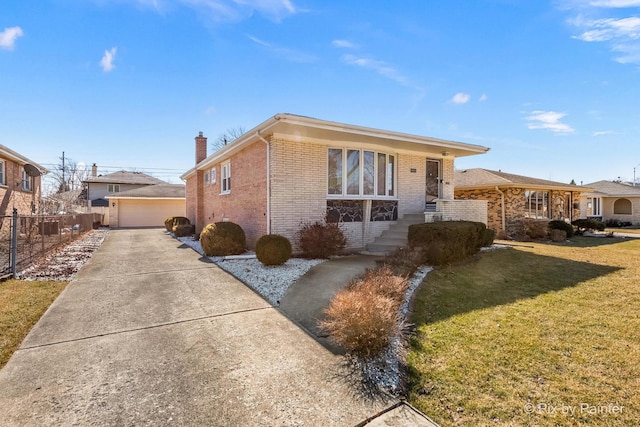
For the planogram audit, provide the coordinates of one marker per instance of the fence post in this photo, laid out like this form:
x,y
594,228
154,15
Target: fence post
x,y
14,242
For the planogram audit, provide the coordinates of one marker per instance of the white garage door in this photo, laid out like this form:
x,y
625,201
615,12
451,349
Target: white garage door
x,y
148,213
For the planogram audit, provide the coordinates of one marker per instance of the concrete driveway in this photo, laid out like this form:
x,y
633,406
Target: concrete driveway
x,y
151,334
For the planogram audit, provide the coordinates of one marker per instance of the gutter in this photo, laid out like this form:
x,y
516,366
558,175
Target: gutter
x,y
504,225
268,180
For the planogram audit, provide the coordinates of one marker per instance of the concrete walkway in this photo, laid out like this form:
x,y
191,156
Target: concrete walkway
x,y
151,334
308,296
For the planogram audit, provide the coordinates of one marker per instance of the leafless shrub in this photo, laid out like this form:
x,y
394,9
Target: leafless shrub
x,y
362,321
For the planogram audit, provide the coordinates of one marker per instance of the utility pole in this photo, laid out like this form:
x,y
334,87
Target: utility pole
x,y
64,183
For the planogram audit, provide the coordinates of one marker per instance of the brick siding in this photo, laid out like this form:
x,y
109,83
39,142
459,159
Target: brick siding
x,y
515,206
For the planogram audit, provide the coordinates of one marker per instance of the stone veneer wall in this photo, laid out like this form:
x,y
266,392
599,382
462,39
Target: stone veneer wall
x,y
515,204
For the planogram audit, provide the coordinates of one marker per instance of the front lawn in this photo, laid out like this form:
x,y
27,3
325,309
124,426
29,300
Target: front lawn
x,y
539,334
22,303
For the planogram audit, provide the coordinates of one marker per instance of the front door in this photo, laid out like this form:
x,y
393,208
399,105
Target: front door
x,y
433,185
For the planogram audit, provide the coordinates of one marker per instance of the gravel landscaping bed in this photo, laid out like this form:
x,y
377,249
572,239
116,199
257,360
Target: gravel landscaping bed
x,y
271,282
64,263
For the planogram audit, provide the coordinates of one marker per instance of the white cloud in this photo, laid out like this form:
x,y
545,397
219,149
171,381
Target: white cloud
x,y
107,60
237,10
611,29
621,34
283,52
460,98
549,120
346,44
615,3
603,132
483,97
9,36
379,67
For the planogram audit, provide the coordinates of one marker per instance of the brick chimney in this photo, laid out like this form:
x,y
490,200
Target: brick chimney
x,y
94,170
201,148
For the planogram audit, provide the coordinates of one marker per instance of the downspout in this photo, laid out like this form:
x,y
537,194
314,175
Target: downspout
x,y
268,180
504,226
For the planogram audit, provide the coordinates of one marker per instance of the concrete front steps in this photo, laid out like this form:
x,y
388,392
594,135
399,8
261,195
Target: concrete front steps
x,y
395,236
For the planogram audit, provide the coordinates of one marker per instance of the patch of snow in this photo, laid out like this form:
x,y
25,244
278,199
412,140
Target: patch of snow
x,y
64,263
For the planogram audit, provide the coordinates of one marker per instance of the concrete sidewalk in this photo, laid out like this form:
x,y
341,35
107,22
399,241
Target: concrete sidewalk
x,y
150,333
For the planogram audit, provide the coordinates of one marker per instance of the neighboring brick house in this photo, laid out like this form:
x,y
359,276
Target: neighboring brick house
x,y
18,189
611,200
100,186
513,198
291,170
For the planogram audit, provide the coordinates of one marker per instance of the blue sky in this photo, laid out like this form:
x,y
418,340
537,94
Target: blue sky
x,y
552,87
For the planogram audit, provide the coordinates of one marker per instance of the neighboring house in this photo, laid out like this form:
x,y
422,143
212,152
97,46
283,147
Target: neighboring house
x,y
100,186
18,189
291,170
147,206
513,198
611,201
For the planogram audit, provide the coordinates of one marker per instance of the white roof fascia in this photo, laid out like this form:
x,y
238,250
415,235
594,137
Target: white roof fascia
x,y
20,159
378,133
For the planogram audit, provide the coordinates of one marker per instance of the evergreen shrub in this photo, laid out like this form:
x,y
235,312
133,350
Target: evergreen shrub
x,y
223,238
273,249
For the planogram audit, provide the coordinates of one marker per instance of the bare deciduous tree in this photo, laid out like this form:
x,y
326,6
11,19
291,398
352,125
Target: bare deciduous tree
x,y
227,137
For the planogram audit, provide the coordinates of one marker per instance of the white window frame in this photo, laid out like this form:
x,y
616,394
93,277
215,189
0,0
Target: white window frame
x,y
390,181
26,181
213,176
225,179
594,204
3,172
532,209
113,188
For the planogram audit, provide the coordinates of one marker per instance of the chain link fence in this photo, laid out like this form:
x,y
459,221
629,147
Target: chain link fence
x,y
25,238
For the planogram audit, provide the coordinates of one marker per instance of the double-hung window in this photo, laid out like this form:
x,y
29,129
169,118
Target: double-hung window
x,y
594,206
213,175
113,188
360,173
225,184
2,173
26,181
207,178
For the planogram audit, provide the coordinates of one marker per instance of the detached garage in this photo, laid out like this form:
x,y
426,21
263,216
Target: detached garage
x,y
147,206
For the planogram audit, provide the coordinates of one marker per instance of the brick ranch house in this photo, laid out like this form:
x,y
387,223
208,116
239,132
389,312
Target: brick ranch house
x,y
291,170
17,189
513,198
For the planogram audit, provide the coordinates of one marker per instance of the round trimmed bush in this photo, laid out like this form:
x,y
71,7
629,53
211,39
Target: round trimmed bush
x,y
273,249
168,223
183,230
172,221
223,238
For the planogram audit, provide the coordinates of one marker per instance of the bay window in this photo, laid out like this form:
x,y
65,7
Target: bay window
x,y
360,173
